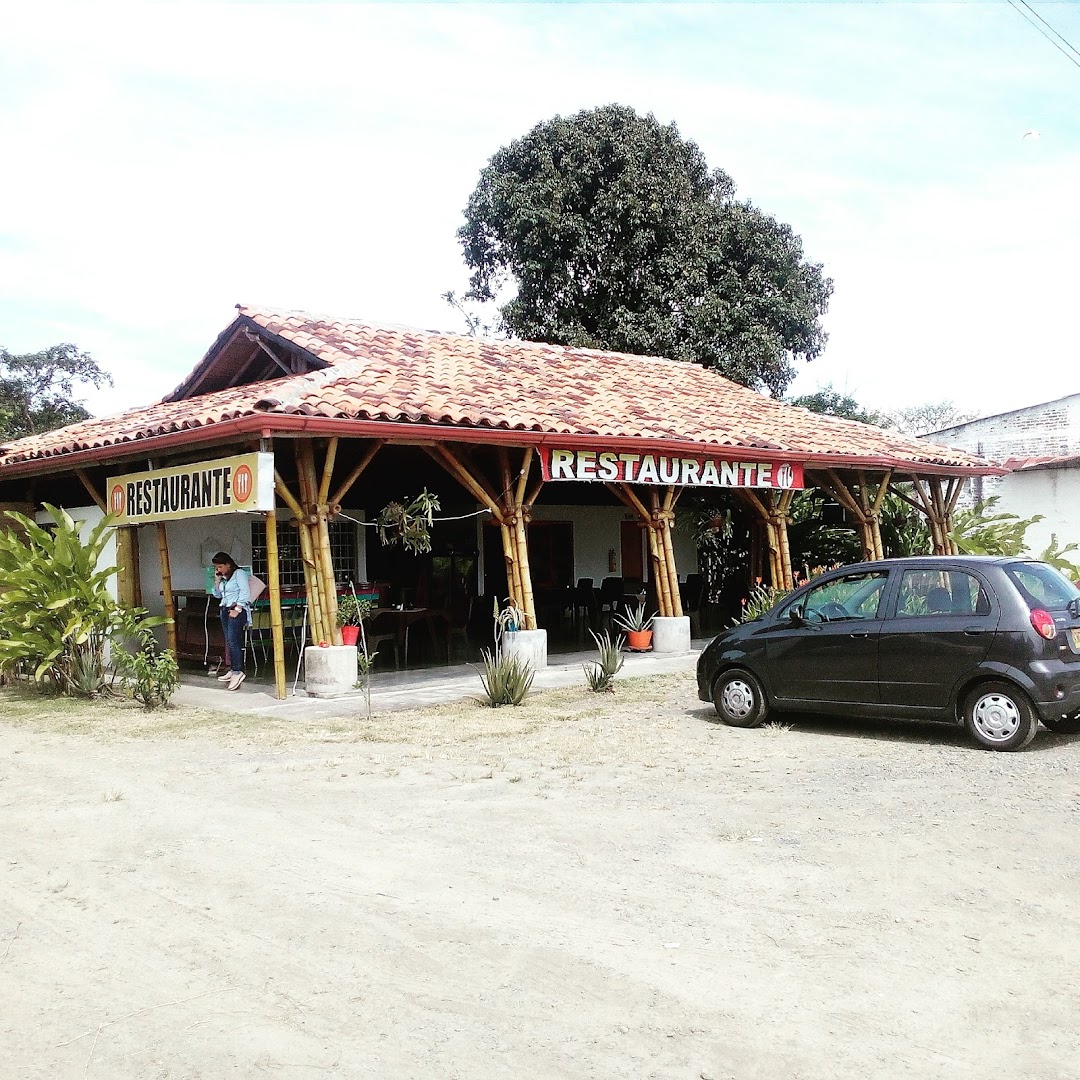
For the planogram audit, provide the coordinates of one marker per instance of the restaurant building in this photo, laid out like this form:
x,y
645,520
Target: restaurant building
x,y
554,467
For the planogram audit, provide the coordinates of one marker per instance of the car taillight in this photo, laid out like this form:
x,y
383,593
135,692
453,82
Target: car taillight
x,y
1044,623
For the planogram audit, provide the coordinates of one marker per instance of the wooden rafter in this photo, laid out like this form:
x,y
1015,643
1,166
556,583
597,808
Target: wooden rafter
x,y
92,491
346,485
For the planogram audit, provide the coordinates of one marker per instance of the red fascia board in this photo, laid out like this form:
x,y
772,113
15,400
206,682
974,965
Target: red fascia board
x,y
267,425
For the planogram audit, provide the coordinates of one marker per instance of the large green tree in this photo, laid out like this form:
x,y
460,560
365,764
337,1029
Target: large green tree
x,y
615,234
37,390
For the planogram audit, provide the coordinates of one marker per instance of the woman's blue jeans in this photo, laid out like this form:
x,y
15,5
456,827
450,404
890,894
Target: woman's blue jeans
x,y
235,638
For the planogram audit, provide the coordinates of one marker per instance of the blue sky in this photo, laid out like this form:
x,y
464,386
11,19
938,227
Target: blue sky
x,y
164,161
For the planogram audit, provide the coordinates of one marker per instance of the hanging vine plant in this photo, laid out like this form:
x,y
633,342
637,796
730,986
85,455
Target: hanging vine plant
x,y
410,525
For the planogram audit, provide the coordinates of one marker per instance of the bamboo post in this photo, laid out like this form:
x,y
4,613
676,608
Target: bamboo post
x,y
312,577
524,570
667,516
328,470
166,586
783,505
136,568
320,539
659,561
514,545
277,627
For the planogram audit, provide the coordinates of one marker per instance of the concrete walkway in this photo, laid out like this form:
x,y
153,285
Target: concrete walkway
x,y
408,689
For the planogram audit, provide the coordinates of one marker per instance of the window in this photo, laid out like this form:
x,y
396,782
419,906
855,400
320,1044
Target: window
x,y
854,596
343,549
941,592
1042,585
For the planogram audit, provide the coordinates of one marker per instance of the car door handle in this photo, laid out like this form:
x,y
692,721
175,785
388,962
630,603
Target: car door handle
x,y
859,633
973,631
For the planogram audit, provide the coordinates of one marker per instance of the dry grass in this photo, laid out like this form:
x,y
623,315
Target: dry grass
x,y
566,726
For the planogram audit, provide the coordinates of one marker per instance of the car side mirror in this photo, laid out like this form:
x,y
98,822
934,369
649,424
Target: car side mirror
x,y
795,615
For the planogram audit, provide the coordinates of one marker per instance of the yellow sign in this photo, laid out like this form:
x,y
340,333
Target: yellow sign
x,y
204,489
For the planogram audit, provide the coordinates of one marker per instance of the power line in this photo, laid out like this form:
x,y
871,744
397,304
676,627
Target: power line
x,y
1069,52
1061,37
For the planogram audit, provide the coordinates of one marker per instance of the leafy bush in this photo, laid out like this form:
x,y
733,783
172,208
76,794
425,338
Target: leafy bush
x,y
152,673
56,614
506,677
600,674
981,530
352,610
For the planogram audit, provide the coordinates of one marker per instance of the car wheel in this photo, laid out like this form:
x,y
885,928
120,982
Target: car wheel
x,y
739,699
998,716
1064,725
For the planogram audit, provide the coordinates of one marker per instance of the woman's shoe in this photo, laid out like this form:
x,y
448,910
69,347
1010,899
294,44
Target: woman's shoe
x,y
234,682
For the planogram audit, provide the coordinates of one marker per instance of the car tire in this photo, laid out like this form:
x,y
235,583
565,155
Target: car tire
x,y
1000,716
1063,726
739,699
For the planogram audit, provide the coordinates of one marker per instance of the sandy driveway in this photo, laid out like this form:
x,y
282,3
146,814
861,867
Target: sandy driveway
x,y
599,887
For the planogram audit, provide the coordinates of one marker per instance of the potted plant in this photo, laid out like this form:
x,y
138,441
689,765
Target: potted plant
x,y
351,611
638,627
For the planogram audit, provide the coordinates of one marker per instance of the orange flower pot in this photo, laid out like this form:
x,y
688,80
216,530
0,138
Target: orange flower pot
x,y
639,640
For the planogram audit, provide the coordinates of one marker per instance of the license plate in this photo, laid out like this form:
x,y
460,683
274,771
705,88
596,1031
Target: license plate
x,y
1074,639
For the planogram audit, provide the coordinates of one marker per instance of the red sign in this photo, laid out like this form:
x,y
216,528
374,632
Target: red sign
x,y
613,467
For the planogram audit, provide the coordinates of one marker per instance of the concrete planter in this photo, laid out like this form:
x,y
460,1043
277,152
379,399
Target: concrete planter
x,y
530,645
671,634
330,672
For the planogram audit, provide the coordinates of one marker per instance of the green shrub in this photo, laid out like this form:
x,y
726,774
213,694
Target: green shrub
x,y
56,614
152,673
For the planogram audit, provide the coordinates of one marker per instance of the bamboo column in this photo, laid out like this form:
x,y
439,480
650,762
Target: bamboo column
x,y
510,509
277,626
772,519
521,520
318,540
657,518
515,543
934,512
865,511
166,586
311,579
321,538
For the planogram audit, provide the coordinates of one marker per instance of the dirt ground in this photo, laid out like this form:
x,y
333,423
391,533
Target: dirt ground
x,y
590,886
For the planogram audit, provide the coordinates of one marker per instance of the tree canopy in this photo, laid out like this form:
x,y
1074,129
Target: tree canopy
x,y
618,236
826,399
928,417
37,389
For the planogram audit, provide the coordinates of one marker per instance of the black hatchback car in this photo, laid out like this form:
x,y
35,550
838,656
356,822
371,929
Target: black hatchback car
x,y
993,643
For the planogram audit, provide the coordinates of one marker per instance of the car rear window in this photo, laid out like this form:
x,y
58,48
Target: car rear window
x,y
1041,585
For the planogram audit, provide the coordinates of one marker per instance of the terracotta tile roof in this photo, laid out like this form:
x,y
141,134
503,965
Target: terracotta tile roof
x,y
401,375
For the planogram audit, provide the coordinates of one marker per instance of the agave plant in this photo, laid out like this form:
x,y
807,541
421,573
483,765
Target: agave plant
x,y
600,674
506,677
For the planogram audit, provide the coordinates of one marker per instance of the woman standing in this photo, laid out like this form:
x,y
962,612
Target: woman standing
x,y
231,587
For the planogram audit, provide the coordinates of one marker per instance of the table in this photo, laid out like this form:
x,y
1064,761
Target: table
x,y
392,624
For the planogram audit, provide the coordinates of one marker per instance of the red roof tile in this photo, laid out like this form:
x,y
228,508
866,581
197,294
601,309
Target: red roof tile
x,y
446,380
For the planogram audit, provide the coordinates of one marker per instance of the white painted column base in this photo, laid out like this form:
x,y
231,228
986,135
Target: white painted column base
x,y
330,671
530,645
671,634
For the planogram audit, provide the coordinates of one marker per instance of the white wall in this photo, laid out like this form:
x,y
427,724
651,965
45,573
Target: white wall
x,y
1051,429
1054,493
